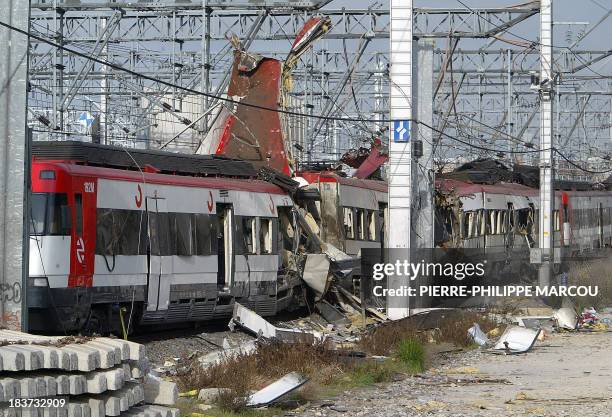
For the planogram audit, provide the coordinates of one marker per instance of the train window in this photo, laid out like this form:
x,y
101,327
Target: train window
x,y
469,224
372,225
360,222
38,206
46,174
265,236
485,227
492,222
245,235
349,226
465,232
122,232
185,236
206,235
78,214
58,215
167,234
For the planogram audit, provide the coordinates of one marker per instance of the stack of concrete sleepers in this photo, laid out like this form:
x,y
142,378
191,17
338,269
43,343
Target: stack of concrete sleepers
x,y
78,377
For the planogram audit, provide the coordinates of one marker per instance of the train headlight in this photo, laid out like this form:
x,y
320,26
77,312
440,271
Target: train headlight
x,y
39,282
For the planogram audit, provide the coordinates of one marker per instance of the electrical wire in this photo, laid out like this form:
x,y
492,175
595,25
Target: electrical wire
x,y
172,85
532,41
359,120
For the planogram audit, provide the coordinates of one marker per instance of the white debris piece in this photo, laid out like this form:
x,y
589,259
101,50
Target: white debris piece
x,y
566,318
277,389
517,339
262,328
478,335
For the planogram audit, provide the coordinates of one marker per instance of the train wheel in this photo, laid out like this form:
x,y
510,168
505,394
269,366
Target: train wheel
x,y
94,324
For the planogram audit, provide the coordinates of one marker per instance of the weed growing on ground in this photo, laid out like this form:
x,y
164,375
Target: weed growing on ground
x,y
411,353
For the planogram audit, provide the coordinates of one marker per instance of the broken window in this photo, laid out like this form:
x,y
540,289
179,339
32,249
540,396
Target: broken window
x,y
372,225
360,224
482,222
245,235
349,226
265,236
122,232
471,223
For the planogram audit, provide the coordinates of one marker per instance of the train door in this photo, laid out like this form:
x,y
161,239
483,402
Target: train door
x,y
160,265
225,270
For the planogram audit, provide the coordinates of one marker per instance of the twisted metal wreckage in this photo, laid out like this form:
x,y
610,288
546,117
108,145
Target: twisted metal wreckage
x,y
247,129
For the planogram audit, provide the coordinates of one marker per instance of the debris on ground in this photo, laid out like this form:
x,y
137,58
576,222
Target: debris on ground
x,y
566,318
517,339
477,335
96,376
260,327
276,390
591,320
211,395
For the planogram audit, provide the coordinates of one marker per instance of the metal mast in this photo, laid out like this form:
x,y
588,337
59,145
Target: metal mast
x,y
546,136
400,152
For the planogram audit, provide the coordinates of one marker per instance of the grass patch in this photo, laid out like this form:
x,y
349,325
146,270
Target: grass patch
x,y
411,353
443,327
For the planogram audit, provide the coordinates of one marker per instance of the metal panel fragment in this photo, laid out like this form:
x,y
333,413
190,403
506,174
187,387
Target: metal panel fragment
x,y
517,339
277,389
316,272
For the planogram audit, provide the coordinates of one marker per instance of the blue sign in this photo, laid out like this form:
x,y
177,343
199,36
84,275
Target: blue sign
x,y
401,131
86,119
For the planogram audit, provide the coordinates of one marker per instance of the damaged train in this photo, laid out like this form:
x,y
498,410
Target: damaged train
x,y
121,238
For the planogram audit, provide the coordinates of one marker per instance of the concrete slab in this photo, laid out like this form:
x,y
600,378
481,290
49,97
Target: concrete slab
x,y
96,382
87,359
78,384
109,355
12,359
158,391
11,388
30,352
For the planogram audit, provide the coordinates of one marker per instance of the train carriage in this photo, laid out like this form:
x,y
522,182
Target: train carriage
x,y
166,248
351,212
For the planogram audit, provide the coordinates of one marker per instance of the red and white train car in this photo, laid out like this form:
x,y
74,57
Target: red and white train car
x,y
160,246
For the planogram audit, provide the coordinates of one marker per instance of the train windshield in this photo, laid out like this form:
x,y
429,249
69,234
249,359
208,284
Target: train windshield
x,y
49,214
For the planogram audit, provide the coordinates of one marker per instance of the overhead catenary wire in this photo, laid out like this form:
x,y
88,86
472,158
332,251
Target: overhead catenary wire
x,y
277,110
533,42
